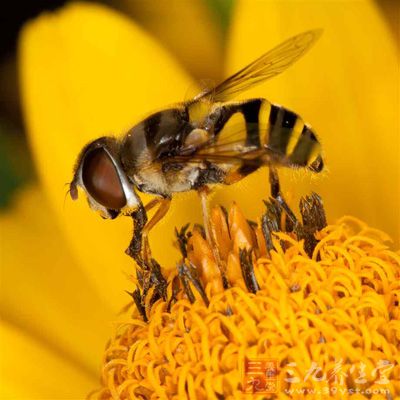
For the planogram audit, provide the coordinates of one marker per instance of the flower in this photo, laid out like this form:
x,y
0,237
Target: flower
x,y
326,314
81,80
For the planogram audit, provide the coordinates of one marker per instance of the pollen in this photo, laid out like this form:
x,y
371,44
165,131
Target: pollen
x,y
294,310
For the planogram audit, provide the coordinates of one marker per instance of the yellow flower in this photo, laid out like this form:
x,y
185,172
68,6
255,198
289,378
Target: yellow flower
x,y
87,71
319,315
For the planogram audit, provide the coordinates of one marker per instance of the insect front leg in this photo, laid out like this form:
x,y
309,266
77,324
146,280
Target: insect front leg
x,y
149,274
134,249
139,248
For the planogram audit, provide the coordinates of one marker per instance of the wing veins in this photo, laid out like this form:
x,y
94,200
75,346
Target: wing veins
x,y
265,67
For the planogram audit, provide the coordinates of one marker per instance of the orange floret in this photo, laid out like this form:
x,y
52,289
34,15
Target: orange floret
x,y
330,321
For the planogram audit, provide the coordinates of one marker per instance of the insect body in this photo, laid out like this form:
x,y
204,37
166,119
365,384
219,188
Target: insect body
x,y
169,152
205,141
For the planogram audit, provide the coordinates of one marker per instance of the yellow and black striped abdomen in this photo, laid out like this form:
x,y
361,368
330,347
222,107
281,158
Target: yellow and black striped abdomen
x,y
287,138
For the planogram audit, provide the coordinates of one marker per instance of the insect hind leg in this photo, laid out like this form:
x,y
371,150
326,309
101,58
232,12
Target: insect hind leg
x,y
276,194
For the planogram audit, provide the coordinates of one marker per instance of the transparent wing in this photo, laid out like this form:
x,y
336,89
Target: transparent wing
x,y
250,155
267,66
231,148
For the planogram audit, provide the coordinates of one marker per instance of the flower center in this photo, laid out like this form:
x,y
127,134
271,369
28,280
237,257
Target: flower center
x,y
313,308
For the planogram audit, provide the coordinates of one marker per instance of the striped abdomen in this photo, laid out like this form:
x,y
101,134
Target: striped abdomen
x,y
290,140
257,123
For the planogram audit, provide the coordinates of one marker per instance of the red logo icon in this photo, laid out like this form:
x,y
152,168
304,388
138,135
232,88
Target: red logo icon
x,y
260,375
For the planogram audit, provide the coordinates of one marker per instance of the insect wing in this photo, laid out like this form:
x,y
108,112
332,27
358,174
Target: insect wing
x,y
231,148
278,144
267,66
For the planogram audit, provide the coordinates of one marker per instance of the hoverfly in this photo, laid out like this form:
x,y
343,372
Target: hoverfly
x,y
202,142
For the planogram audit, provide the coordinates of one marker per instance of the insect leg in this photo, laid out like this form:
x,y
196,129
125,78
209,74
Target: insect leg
x,y
134,249
139,250
277,195
163,208
151,204
139,217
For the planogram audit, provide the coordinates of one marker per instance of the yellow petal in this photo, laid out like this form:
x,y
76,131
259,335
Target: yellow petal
x,y
188,29
87,71
31,370
346,87
44,292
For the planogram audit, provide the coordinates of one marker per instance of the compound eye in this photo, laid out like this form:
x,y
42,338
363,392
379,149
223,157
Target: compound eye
x,y
101,180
